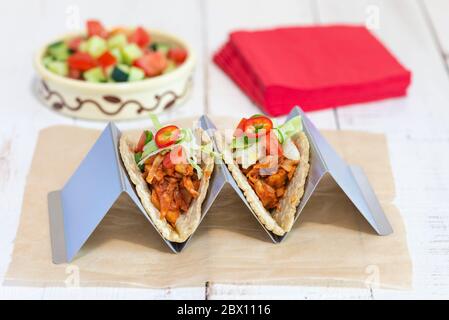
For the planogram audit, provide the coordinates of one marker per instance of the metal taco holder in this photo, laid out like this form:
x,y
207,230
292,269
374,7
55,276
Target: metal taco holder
x,y
77,209
324,161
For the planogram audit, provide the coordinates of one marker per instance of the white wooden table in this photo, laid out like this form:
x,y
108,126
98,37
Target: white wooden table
x,y
417,31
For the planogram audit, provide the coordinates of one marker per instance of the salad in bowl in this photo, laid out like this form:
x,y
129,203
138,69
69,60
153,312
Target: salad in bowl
x,y
119,55
114,74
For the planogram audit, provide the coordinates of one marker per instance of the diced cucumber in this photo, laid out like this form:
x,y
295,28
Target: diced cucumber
x,y
58,67
161,47
171,65
83,46
59,50
130,53
46,60
120,73
136,74
117,41
96,46
95,75
117,53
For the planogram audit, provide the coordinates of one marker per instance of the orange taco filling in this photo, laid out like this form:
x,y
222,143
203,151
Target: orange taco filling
x,y
269,178
173,186
267,156
173,180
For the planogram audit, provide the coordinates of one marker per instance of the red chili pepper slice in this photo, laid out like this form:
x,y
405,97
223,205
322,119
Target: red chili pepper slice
x,y
257,126
167,136
240,128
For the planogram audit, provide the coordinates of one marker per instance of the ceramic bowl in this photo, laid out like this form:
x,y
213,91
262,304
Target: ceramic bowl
x,y
116,101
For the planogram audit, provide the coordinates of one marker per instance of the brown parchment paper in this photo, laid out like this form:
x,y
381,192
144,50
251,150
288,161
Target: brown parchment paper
x,y
330,245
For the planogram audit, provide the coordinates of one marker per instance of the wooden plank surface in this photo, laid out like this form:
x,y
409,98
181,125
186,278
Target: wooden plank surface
x,y
415,30
436,12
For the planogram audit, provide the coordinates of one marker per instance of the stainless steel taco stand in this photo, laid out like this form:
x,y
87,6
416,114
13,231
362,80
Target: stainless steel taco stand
x,y
77,209
324,161
350,178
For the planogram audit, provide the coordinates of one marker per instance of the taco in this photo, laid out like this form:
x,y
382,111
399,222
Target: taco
x,y
270,165
170,169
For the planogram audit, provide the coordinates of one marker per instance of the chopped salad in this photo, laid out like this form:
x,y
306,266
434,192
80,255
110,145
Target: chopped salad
x,y
118,55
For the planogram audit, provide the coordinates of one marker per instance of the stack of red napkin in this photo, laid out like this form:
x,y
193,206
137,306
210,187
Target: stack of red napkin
x,y
313,67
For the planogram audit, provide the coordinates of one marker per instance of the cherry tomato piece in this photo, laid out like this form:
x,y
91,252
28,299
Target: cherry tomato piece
x,y
107,60
95,28
167,136
178,55
152,63
140,37
81,61
75,43
257,126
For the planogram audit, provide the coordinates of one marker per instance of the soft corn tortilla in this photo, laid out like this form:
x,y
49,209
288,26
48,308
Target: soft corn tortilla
x,y
281,220
188,221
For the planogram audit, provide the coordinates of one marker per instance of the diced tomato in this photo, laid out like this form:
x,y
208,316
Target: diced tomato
x,y
74,74
178,55
178,155
107,60
140,37
145,137
153,63
95,28
147,50
167,163
175,156
167,136
273,147
257,126
241,126
141,143
81,61
75,43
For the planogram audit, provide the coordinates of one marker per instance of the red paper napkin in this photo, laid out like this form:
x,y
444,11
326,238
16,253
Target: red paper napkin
x,y
314,67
